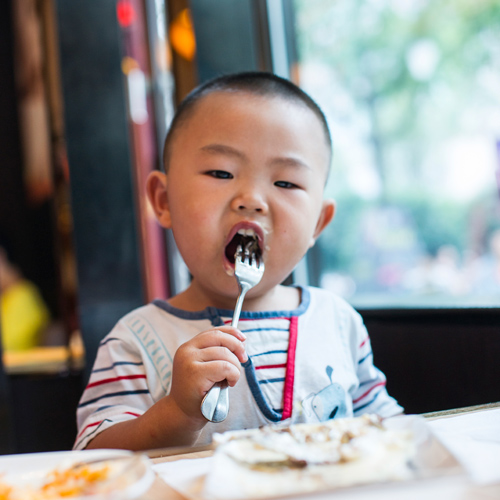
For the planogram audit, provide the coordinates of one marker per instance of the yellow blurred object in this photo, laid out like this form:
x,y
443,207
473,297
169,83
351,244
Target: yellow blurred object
x,y
182,35
23,315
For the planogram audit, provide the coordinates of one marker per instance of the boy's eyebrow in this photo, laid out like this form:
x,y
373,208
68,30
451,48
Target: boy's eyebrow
x,y
291,161
230,151
222,149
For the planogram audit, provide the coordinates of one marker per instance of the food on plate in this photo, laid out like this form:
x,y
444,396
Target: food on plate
x,y
75,481
280,460
5,490
70,482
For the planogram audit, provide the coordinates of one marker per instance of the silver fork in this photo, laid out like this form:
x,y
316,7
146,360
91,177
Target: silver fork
x,y
248,271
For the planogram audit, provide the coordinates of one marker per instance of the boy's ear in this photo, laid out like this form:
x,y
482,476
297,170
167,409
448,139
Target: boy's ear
x,y
156,190
325,217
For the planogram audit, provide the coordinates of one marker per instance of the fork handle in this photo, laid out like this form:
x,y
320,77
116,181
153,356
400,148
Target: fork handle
x,y
239,305
215,404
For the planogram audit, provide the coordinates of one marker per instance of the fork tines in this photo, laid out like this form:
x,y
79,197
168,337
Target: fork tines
x,y
245,255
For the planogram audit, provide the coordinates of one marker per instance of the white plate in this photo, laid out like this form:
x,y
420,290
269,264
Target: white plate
x,y
30,471
433,462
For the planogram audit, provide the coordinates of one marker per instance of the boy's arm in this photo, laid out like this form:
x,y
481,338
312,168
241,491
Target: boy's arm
x,y
163,425
371,395
117,409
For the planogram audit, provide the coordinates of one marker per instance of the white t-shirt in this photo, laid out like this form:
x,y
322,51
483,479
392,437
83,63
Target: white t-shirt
x,y
305,365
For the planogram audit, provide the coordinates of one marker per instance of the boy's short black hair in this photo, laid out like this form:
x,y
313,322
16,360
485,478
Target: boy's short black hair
x,y
254,82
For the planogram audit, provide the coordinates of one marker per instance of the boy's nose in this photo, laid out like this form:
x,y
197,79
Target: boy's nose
x,y
250,201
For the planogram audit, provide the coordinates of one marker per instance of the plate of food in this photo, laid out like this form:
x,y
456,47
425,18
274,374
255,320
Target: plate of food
x,y
75,475
288,460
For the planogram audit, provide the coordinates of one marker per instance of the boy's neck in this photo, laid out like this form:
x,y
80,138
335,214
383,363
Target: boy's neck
x,y
279,298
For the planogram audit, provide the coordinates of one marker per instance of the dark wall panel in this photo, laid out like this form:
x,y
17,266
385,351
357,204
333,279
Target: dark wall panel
x,y
100,162
226,36
438,363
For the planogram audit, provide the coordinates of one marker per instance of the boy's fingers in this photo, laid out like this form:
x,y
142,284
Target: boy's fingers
x,y
219,353
217,338
218,370
233,331
227,329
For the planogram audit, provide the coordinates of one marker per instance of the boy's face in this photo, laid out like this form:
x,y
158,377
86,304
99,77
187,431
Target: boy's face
x,y
242,161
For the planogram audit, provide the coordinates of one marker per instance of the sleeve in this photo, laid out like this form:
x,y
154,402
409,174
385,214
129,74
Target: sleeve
x,y
118,388
371,395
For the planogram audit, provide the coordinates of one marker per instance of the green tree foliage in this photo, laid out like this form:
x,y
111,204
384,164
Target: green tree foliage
x,y
410,76
410,106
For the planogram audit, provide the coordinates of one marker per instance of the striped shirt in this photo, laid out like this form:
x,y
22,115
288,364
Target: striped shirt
x,y
308,364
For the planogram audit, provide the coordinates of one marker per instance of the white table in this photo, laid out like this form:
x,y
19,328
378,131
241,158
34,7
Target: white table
x,y
472,435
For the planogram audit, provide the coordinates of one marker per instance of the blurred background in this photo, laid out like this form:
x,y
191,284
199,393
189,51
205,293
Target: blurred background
x,y
411,91
412,94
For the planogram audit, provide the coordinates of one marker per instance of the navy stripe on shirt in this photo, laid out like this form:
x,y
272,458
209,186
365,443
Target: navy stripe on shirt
x,y
112,395
363,359
272,380
356,409
133,363
281,351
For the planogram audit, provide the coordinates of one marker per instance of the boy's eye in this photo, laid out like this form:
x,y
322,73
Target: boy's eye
x,y
285,184
220,174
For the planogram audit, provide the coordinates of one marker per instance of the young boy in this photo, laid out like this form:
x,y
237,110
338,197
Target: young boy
x,y
247,156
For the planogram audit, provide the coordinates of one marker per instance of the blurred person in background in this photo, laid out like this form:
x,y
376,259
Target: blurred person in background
x,y
24,315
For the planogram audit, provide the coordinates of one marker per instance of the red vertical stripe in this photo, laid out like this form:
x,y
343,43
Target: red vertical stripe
x,y
290,369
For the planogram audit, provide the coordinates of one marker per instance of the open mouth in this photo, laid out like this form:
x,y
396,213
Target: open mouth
x,y
248,239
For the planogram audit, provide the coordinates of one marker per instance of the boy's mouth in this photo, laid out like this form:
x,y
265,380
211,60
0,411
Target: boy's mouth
x,y
247,238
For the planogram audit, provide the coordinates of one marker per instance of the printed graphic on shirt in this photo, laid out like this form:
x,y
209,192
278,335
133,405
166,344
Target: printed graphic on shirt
x,y
328,403
154,349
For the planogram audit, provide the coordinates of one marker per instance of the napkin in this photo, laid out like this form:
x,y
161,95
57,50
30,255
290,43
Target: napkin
x,y
186,476
474,440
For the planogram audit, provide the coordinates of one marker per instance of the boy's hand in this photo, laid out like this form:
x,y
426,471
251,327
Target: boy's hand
x,y
208,358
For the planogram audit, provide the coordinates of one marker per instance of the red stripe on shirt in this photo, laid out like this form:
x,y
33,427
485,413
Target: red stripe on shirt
x,y
229,321
364,342
87,426
110,380
290,369
100,421
263,367
368,392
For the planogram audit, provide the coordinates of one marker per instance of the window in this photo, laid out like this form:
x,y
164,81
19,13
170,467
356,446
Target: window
x,y
411,90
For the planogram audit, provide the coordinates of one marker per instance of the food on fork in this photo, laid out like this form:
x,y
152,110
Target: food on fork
x,y
279,460
248,240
